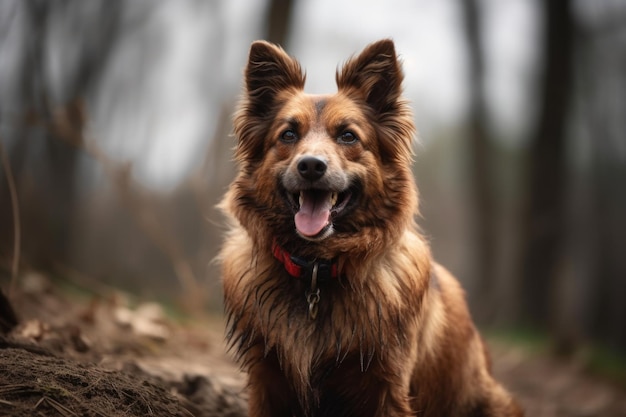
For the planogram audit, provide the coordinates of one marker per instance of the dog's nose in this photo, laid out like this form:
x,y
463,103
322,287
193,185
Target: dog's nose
x,y
311,167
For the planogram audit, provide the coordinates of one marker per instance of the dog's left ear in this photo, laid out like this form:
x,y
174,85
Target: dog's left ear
x,y
376,74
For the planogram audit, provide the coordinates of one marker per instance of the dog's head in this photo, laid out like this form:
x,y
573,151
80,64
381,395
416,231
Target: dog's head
x,y
328,173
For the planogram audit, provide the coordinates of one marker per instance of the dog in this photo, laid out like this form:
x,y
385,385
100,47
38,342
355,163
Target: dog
x,y
333,302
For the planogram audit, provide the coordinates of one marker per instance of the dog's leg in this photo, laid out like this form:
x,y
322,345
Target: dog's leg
x,y
394,400
269,392
395,407
380,391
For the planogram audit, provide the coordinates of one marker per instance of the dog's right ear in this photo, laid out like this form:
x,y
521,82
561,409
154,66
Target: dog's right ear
x,y
270,70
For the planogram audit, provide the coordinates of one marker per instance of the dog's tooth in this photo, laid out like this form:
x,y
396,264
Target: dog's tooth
x,y
333,198
301,199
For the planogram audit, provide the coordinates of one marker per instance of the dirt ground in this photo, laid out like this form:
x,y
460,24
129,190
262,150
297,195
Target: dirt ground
x,y
104,357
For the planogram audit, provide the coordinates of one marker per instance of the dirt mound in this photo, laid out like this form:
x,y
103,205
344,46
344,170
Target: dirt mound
x,y
104,357
33,384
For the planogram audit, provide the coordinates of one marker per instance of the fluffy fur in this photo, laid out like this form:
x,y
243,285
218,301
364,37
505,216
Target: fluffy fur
x,y
328,177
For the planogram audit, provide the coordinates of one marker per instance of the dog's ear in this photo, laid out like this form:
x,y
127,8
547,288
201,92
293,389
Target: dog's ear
x,y
376,74
269,71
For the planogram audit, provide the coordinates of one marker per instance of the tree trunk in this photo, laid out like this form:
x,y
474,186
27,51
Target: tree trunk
x,y
481,292
544,216
278,18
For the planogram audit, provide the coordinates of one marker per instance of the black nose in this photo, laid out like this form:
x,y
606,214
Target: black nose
x,y
311,167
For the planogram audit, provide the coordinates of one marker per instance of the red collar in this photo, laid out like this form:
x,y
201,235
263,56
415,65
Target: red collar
x,y
301,268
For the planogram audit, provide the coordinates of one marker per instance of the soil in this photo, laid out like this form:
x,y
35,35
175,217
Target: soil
x,y
109,357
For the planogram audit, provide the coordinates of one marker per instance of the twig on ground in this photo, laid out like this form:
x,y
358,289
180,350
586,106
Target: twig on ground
x,y
60,408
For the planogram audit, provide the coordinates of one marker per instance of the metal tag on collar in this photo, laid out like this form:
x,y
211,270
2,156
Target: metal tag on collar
x,y
313,295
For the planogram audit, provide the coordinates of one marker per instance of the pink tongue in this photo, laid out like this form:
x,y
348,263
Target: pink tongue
x,y
314,213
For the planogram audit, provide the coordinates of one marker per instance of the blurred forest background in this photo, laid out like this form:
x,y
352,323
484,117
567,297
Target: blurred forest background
x,y
115,119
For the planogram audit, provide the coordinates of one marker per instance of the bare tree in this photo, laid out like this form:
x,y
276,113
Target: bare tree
x,y
37,96
279,15
543,221
601,104
480,160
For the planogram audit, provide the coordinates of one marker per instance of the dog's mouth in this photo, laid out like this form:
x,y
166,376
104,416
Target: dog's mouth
x,y
315,210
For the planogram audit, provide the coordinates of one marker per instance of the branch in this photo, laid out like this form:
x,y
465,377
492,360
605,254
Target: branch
x,y
68,124
16,218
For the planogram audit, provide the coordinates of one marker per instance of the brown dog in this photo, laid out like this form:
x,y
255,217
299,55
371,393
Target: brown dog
x,y
334,304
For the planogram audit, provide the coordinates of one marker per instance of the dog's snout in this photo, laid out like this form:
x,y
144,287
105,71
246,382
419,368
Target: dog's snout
x,y
312,167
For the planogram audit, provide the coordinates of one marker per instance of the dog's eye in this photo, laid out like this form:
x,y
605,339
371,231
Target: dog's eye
x,y
347,138
289,136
